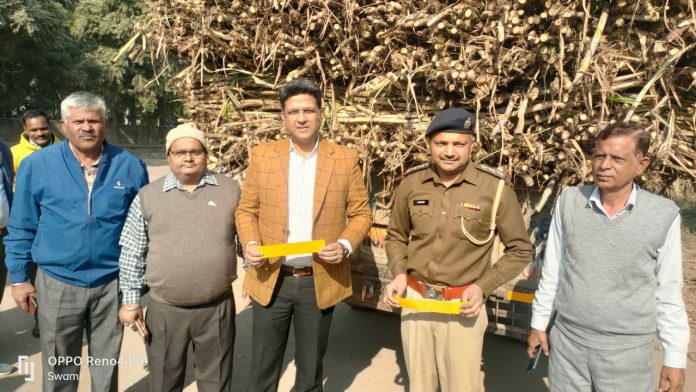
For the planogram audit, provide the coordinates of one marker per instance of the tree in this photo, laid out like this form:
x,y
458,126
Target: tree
x,y
51,48
37,57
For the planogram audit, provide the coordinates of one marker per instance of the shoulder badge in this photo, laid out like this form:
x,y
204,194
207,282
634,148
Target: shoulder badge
x,y
416,168
494,172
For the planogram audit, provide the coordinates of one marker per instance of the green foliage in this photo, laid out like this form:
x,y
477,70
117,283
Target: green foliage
x,y
51,48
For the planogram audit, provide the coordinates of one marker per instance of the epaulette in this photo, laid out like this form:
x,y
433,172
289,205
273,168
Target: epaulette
x,y
416,168
505,176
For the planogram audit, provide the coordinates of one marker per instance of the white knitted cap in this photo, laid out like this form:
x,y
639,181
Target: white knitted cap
x,y
185,130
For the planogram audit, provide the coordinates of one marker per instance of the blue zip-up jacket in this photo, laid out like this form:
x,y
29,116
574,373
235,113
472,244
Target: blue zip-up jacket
x,y
6,171
54,222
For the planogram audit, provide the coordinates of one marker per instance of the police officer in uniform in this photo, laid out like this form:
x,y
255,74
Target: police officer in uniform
x,y
439,245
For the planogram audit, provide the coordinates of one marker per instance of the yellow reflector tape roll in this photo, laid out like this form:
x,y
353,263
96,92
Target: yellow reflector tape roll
x,y
429,305
294,248
520,297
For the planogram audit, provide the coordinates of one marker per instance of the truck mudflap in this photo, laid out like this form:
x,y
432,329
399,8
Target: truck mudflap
x,y
509,310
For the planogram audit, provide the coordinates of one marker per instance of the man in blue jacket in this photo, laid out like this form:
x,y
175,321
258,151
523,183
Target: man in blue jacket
x,y
70,204
6,182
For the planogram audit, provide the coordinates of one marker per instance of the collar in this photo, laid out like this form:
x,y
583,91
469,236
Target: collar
x,y
96,163
293,150
596,199
25,140
170,181
470,175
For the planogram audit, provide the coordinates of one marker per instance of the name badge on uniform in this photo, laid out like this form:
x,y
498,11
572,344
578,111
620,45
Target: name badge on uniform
x,y
471,206
421,202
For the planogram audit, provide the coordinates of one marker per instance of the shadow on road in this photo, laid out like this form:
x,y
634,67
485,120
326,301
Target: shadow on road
x,y
357,338
505,366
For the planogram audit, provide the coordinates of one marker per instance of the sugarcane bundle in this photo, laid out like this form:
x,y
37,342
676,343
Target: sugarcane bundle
x,y
543,77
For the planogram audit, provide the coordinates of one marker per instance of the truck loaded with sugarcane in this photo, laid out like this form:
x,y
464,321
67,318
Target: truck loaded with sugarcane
x,y
542,78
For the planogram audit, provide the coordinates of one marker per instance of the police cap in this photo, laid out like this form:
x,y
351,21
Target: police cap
x,y
455,120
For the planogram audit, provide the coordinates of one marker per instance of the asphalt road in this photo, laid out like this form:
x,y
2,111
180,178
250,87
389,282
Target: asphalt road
x,y
364,355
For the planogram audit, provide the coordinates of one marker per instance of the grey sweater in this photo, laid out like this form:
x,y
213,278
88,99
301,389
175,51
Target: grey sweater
x,y
607,299
191,256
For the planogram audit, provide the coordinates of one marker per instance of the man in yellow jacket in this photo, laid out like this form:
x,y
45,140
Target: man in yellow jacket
x,y
37,135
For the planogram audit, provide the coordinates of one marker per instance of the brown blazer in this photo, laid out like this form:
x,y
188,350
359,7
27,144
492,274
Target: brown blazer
x,y
340,211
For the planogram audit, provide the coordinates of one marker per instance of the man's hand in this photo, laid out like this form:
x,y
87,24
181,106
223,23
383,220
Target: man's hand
x,y
245,301
671,380
131,315
537,337
396,287
332,253
23,296
252,255
473,300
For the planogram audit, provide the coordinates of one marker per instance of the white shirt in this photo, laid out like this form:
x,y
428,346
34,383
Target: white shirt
x,y
4,207
672,322
301,175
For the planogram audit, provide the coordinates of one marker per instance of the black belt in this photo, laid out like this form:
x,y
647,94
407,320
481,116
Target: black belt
x,y
296,271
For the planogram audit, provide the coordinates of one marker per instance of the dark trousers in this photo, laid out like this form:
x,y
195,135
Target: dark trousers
x,y
3,268
211,329
296,300
67,311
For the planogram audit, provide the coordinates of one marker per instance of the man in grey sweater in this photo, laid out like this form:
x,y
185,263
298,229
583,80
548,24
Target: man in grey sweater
x,y
179,239
613,275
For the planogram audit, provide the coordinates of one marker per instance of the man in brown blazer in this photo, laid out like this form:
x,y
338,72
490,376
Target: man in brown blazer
x,y
299,189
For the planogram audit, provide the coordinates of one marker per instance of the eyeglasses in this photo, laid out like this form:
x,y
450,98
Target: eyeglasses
x,y
306,111
181,154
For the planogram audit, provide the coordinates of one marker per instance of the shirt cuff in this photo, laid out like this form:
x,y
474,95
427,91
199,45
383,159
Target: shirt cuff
x,y
20,276
674,359
486,285
346,244
131,297
540,322
398,268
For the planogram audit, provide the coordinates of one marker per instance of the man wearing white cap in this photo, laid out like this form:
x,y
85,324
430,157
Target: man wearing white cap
x,y
179,239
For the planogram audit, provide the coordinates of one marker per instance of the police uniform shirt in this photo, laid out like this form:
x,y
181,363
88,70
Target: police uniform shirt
x,y
425,236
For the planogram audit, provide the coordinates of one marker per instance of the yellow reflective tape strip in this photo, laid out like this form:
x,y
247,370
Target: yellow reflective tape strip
x,y
520,297
429,305
294,248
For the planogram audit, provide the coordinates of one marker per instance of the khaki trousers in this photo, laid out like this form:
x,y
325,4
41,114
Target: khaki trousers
x,y
442,351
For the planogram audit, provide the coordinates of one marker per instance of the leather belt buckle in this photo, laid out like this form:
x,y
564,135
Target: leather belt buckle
x,y
431,293
301,271
297,271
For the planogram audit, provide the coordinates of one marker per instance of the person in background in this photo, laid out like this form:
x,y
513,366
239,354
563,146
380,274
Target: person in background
x,y
6,183
71,201
36,135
